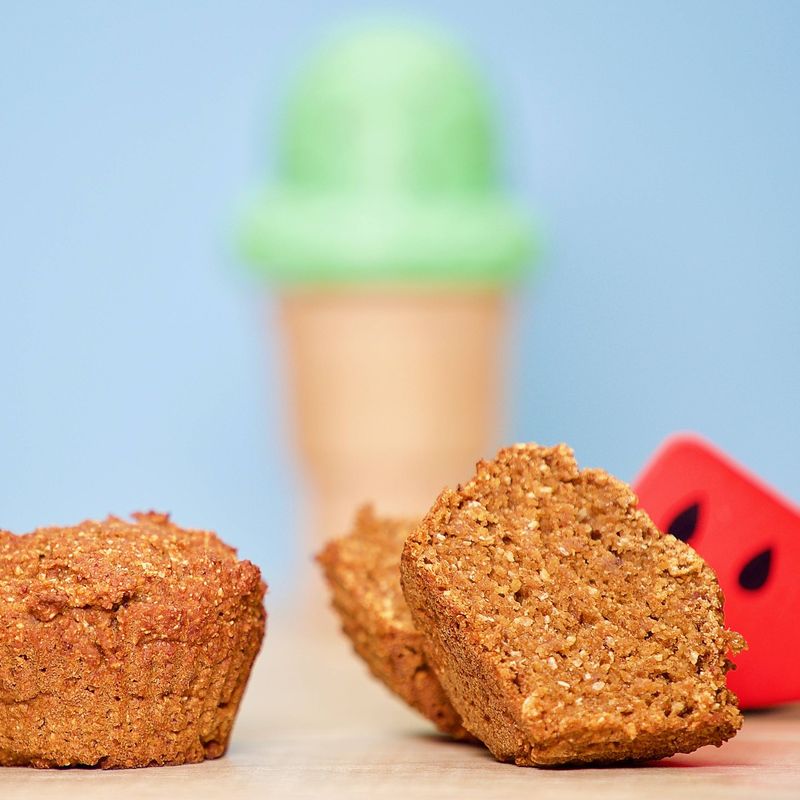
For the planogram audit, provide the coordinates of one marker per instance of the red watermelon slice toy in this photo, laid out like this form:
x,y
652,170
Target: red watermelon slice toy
x,y
750,536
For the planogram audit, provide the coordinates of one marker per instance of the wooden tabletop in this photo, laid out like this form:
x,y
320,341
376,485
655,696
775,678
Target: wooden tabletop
x,y
315,725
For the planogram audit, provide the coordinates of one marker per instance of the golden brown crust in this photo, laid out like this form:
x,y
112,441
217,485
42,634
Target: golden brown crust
x,y
123,644
363,572
564,627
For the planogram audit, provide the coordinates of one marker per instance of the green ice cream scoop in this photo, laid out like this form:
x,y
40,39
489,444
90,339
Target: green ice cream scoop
x,y
387,172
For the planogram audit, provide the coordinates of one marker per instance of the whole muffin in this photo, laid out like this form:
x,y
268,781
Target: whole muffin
x,y
123,644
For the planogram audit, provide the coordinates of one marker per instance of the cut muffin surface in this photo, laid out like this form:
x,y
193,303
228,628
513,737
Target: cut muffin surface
x,y
363,572
564,627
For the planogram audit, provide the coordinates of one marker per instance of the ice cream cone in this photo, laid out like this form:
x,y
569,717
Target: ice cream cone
x,y
392,248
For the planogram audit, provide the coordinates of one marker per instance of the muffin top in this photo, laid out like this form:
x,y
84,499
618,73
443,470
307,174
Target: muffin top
x,y
114,564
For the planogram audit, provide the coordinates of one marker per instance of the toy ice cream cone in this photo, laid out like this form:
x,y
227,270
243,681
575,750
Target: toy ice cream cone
x,y
393,249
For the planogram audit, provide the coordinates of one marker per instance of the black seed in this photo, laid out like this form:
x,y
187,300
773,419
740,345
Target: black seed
x,y
685,523
755,572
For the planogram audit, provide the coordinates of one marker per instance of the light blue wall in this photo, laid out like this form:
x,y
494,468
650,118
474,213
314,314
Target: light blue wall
x,y
660,143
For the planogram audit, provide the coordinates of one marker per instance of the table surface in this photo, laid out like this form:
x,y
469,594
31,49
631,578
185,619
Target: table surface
x,y
314,724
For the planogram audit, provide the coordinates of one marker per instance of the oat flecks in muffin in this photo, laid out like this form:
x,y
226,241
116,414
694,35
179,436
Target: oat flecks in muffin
x,y
363,572
563,625
123,644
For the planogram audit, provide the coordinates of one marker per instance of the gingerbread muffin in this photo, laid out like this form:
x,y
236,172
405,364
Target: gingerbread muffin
x,y
123,644
363,572
564,627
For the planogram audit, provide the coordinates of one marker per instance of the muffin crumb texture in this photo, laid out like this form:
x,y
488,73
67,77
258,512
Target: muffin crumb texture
x,y
564,627
123,644
363,572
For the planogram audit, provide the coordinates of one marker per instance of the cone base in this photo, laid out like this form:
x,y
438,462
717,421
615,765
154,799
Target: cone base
x,y
394,394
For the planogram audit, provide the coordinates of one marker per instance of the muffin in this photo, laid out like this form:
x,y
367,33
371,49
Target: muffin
x,y
123,644
363,572
564,627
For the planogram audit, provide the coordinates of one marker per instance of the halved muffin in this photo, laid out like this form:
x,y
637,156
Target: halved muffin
x,y
563,626
363,572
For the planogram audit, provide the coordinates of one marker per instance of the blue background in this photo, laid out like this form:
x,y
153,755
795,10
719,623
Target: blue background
x,y
658,143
